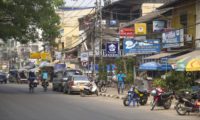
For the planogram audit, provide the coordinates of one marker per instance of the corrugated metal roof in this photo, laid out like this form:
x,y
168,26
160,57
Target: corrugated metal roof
x,y
148,17
160,55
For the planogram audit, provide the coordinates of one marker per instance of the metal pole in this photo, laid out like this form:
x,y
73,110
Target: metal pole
x,y
101,39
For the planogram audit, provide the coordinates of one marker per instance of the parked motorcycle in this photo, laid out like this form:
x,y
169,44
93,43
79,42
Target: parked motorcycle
x,y
142,95
187,103
89,89
161,99
45,84
101,85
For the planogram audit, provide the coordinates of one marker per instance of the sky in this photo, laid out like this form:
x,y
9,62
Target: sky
x,y
80,3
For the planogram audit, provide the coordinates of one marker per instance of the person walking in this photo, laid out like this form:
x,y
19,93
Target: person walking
x,y
121,79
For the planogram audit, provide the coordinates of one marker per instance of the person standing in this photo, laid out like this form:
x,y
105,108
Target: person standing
x,y
121,79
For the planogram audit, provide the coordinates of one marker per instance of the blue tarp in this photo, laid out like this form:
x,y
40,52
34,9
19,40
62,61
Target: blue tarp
x,y
154,66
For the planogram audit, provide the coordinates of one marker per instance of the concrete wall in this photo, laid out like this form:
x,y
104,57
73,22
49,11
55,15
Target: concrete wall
x,y
190,10
149,7
70,24
198,25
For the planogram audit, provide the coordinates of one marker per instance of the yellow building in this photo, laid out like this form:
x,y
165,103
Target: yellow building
x,y
70,34
184,16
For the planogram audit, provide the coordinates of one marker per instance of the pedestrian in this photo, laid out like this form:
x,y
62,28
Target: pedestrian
x,y
121,79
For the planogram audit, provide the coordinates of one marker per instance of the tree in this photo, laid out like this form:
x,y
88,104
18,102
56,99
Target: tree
x,y
29,20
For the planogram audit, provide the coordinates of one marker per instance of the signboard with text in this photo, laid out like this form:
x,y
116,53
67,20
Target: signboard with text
x,y
112,48
126,33
173,38
141,47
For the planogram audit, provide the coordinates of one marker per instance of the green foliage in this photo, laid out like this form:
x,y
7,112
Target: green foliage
x,y
102,71
119,64
159,82
21,20
177,80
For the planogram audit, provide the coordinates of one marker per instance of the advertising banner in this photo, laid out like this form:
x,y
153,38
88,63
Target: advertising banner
x,y
45,56
84,56
127,33
35,55
173,38
112,48
158,26
140,28
132,46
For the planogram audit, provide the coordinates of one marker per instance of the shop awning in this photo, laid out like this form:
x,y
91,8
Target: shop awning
x,y
150,66
154,66
148,17
160,55
191,54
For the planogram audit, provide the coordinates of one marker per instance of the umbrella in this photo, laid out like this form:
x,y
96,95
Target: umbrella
x,y
181,64
193,65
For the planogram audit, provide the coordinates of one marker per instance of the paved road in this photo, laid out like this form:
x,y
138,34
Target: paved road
x,y
17,104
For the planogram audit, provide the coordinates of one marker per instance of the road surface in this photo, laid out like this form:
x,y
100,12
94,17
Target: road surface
x,y
16,103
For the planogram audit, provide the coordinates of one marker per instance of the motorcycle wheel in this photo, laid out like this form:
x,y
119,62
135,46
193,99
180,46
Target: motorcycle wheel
x,y
153,105
167,104
96,92
125,101
82,94
103,89
143,101
180,109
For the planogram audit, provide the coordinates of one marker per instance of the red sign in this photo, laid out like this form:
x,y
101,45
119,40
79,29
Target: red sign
x,y
127,33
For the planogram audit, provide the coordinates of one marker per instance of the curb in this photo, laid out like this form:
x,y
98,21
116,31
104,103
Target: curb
x,y
111,96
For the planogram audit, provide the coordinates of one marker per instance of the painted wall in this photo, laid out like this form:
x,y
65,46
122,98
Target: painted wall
x,y
149,7
70,24
198,24
190,10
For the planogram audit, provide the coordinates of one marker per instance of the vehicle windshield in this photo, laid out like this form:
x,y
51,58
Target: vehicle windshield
x,y
72,72
81,78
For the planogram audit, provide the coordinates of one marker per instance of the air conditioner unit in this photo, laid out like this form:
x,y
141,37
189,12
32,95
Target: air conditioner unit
x,y
122,24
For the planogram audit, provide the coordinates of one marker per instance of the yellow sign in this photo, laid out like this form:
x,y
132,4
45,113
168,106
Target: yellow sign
x,y
140,28
45,56
35,55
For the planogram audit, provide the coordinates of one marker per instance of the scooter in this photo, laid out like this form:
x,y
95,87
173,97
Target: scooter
x,y
101,85
162,100
190,102
32,85
89,89
45,84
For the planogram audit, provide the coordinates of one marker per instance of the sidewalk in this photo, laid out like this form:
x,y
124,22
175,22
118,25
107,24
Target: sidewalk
x,y
112,93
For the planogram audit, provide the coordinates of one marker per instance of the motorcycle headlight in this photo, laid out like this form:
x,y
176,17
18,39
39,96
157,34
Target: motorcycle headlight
x,y
153,92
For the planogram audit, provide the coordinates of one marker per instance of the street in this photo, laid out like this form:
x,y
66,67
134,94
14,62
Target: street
x,y
16,103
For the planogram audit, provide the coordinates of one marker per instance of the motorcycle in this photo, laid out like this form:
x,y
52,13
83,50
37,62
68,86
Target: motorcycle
x,y
89,89
101,85
142,96
45,84
187,103
32,85
161,99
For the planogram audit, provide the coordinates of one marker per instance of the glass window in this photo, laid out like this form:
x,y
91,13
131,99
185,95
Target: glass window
x,y
81,78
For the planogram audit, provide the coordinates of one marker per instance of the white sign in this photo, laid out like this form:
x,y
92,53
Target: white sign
x,y
84,56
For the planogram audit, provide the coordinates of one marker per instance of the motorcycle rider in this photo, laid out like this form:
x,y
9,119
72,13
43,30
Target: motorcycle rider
x,y
31,78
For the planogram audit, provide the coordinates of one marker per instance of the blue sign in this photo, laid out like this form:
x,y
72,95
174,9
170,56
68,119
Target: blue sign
x,y
112,48
141,47
173,38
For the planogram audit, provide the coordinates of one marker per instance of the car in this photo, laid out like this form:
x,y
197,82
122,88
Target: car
x,y
3,77
61,77
74,83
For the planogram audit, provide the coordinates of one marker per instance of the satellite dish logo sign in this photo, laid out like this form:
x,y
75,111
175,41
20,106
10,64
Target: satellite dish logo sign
x,y
112,48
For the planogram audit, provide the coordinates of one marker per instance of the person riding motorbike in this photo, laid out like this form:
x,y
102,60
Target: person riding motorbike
x,y
32,82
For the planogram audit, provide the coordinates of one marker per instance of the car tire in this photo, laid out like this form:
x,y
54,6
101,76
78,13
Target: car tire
x,y
69,91
64,90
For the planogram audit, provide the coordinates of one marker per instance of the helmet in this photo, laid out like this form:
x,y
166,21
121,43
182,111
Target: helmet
x,y
153,92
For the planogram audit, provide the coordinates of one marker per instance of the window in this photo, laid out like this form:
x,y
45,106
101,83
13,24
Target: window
x,y
184,21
